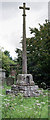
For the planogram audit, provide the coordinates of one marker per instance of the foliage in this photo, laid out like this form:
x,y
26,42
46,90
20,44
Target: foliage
x,y
7,53
20,107
19,60
38,53
38,47
6,61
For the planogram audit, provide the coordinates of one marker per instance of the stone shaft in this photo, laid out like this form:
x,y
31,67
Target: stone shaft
x,y
24,54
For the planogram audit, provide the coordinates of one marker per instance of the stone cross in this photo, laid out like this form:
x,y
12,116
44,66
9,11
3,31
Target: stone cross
x,y
24,54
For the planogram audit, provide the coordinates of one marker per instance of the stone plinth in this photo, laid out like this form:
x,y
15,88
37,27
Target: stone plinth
x,y
26,90
25,79
26,86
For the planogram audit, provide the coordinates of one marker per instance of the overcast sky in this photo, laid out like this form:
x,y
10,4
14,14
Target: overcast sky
x,y
11,21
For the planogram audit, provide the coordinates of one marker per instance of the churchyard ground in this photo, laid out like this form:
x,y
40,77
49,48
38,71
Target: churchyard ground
x,y
20,107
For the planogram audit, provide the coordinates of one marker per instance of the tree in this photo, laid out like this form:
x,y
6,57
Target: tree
x,y
19,60
38,48
7,53
38,53
6,61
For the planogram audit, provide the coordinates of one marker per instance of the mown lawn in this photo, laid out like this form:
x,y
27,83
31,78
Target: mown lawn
x,y
20,107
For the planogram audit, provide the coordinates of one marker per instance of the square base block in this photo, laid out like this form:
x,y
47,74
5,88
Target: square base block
x,y
25,79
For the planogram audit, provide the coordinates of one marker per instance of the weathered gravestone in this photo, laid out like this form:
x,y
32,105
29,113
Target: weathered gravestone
x,y
9,81
25,83
13,68
12,76
2,75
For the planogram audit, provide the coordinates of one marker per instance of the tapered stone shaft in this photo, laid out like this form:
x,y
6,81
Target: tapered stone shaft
x,y
24,53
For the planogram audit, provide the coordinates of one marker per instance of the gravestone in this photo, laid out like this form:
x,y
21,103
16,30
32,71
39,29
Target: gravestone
x,y
25,83
2,75
9,81
13,68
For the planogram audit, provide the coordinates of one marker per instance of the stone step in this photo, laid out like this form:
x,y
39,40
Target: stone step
x,y
27,91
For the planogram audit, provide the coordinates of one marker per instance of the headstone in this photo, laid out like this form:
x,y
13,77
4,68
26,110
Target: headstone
x,y
13,70
10,81
2,75
12,76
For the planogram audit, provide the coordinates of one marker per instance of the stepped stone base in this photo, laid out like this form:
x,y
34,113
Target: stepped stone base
x,y
27,91
26,86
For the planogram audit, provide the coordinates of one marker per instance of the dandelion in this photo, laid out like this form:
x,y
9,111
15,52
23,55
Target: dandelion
x,y
42,102
37,100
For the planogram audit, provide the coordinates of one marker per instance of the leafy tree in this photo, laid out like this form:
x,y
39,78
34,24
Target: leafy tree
x,y
6,61
19,60
7,53
38,53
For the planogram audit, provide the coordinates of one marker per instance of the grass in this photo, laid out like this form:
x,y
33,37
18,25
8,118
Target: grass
x,y
20,107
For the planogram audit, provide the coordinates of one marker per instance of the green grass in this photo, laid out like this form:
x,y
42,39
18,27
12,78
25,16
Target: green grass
x,y
20,107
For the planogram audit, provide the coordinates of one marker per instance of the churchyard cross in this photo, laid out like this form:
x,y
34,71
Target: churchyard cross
x,y
25,84
24,54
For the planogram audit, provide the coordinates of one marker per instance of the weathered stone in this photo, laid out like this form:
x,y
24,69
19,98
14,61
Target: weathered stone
x,y
2,76
25,94
27,91
14,86
21,88
35,94
10,81
21,91
25,79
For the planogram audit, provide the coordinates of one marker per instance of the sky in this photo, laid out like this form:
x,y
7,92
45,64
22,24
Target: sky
x,y
11,21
